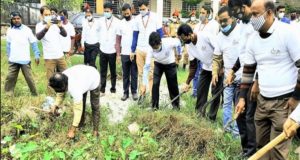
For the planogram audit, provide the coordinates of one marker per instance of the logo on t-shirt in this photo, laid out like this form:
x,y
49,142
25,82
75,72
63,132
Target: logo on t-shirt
x,y
275,51
203,48
235,42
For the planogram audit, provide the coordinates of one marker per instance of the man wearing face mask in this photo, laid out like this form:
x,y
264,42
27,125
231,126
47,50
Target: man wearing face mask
x,y
108,32
274,51
281,15
67,42
89,42
123,47
207,23
245,121
226,53
50,36
18,40
146,23
164,62
201,47
175,23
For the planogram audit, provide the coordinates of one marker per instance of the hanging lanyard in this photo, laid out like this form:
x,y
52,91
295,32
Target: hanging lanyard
x,y
201,29
145,25
107,27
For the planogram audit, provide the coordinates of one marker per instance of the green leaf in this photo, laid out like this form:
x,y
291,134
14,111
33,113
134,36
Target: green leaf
x,y
134,154
7,139
126,142
123,153
48,155
61,154
31,146
111,140
18,126
220,155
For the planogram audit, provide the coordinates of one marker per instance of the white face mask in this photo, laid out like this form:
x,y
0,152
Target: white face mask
x,y
280,15
143,13
89,18
193,18
47,18
107,15
202,18
258,22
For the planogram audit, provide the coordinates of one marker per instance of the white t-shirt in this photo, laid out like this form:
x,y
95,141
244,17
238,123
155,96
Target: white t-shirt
x,y
20,40
203,50
246,31
90,32
229,48
81,78
295,115
126,31
52,48
146,25
212,27
66,41
166,55
275,57
108,33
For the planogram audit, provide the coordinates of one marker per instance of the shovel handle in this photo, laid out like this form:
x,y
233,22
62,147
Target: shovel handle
x,y
268,146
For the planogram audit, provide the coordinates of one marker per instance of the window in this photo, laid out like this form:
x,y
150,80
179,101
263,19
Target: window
x,y
167,8
188,8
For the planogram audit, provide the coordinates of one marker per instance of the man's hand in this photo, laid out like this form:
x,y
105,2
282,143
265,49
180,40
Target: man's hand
x,y
230,77
214,80
143,90
240,107
118,59
71,52
254,91
185,88
37,61
292,103
131,56
59,24
54,110
48,24
179,57
290,128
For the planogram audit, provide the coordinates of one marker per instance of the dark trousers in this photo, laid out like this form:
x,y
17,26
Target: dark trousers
x,y
170,71
95,100
202,93
129,74
90,54
13,72
105,60
245,123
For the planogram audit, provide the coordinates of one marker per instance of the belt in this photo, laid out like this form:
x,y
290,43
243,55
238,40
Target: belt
x,y
282,97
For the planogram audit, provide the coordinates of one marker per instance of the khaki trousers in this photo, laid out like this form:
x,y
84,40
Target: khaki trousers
x,y
269,118
140,61
51,65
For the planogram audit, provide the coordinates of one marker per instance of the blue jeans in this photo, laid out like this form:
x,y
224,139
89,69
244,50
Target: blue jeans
x,y
230,98
196,78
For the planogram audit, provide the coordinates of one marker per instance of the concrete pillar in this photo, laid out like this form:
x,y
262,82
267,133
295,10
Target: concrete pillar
x,y
99,6
215,7
159,9
43,2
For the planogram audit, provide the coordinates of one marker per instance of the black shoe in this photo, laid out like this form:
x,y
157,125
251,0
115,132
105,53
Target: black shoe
x,y
125,96
112,90
135,96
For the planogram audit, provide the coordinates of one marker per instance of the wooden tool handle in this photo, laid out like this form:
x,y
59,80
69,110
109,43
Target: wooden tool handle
x,y
269,146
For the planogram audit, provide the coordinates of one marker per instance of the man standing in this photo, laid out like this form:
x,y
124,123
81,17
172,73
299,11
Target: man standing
x,y
227,51
281,14
146,23
68,41
108,32
174,25
18,39
274,51
164,62
201,47
206,22
245,121
77,81
50,35
123,46
89,40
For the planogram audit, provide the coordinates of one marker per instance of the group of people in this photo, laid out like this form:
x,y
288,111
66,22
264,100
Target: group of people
x,y
246,53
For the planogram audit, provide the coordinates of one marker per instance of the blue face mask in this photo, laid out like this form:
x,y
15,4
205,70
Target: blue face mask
x,y
226,29
107,15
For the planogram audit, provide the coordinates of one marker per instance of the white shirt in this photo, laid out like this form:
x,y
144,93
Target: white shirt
x,y
66,41
275,57
295,115
166,55
126,31
81,78
212,27
20,40
90,32
229,48
203,50
108,32
145,29
52,48
246,31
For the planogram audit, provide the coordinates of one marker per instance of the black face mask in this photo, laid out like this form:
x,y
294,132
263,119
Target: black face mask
x,y
188,41
127,18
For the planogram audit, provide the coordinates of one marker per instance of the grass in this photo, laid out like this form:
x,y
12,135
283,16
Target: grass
x,y
165,134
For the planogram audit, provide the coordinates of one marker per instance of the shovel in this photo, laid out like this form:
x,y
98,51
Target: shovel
x,y
269,146
235,116
174,99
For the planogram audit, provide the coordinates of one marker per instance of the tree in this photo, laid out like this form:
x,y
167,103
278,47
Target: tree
x,y
192,2
70,5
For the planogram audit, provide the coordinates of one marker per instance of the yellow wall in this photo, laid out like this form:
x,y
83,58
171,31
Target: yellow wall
x,y
99,6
